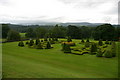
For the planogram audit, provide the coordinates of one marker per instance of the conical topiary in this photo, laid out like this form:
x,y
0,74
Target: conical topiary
x,y
39,46
48,46
87,40
69,39
82,41
37,41
108,54
31,43
66,48
100,42
99,53
93,48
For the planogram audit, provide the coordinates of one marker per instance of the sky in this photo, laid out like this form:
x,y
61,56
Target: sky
x,y
30,11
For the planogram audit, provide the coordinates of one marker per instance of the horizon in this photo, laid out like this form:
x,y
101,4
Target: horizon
x,y
58,11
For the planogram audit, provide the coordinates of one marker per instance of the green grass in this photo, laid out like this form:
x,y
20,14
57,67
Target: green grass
x,y
22,34
24,62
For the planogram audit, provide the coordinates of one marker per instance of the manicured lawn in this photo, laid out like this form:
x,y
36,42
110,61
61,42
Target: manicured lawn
x,y
24,62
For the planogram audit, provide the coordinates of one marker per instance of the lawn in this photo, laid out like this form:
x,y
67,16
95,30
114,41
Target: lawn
x,y
24,62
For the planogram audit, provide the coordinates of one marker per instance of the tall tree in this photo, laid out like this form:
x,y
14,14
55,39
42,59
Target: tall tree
x,y
74,32
104,32
13,36
5,30
30,33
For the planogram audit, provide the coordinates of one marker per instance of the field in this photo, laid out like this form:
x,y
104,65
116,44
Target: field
x,y
24,62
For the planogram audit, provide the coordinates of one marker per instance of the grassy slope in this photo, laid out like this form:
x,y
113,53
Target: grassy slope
x,y
53,63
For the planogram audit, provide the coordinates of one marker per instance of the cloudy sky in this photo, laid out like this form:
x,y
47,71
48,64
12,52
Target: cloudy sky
x,y
94,11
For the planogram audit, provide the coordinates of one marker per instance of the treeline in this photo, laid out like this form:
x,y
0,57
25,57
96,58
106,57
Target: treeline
x,y
104,32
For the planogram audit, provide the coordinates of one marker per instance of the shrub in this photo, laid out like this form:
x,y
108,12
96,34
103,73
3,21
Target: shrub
x,y
106,42
37,41
82,41
113,45
39,46
108,54
87,44
41,40
87,40
21,44
69,39
50,39
31,43
93,48
100,43
69,43
27,42
48,46
99,53
113,51
66,48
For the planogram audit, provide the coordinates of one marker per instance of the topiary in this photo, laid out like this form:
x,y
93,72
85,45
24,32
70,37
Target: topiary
x,y
48,46
50,39
27,42
21,44
87,40
31,43
39,46
67,48
113,51
100,42
82,41
99,53
93,48
108,54
87,44
69,39
41,40
37,41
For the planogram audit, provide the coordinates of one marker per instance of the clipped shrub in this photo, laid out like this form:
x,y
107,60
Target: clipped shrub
x,y
100,42
93,48
87,40
69,43
50,39
69,39
21,44
87,44
41,40
113,51
99,53
106,42
82,41
37,41
108,54
113,45
31,43
48,45
39,46
27,42
66,48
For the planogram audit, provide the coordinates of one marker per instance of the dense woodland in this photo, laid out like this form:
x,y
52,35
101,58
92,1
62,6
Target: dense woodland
x,y
104,32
